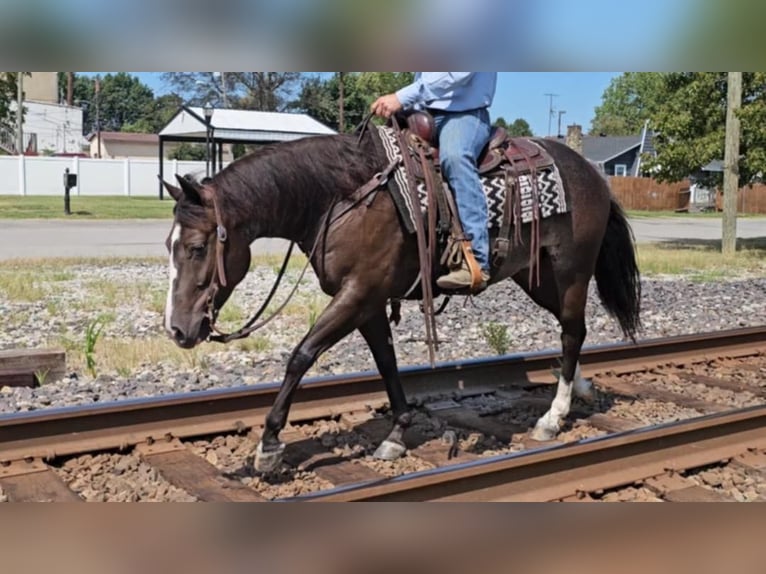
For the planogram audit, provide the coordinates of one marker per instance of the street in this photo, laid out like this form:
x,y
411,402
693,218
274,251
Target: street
x,y
29,239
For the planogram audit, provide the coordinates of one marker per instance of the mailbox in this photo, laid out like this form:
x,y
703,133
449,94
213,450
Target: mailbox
x,y
70,179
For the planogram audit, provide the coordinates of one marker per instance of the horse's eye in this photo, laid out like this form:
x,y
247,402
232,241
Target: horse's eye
x,y
197,251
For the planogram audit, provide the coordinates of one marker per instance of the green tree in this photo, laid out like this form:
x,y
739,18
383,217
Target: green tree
x,y
628,102
691,126
319,96
520,127
8,94
263,91
188,152
156,115
122,100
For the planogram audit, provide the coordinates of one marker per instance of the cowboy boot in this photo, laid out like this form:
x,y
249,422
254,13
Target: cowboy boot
x,y
467,276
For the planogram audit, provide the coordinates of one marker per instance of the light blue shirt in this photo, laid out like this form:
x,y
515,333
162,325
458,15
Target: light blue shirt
x,y
450,91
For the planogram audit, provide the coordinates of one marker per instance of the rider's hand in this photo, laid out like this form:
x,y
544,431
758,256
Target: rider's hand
x,y
386,106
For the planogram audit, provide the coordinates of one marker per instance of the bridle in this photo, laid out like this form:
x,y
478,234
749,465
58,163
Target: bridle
x,y
219,280
365,194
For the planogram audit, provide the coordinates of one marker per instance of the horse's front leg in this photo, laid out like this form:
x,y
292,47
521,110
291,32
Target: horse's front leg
x,y
345,313
572,337
377,333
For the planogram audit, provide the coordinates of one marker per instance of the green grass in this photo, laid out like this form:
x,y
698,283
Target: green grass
x,y
52,207
635,214
702,261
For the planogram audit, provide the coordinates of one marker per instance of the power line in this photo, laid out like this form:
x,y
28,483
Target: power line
x,y
551,110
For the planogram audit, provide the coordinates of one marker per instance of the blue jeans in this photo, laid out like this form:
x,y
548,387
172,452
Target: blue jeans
x,y
462,137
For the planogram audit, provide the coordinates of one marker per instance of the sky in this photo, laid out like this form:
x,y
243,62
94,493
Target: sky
x,y
519,95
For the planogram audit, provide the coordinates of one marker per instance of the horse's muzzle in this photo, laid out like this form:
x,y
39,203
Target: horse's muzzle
x,y
193,337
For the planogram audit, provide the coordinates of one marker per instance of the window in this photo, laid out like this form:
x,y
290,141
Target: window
x,y
621,169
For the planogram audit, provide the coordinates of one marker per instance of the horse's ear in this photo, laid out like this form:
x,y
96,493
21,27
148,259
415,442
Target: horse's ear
x,y
175,192
189,190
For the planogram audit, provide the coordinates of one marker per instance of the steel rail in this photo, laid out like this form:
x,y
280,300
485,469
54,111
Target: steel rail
x,y
60,432
560,472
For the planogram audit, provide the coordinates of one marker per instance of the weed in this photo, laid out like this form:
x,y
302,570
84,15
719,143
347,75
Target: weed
x,y
254,344
497,338
41,376
21,287
92,334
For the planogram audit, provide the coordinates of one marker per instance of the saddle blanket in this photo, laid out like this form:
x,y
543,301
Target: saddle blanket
x,y
551,198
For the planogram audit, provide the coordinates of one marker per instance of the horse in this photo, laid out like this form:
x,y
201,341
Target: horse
x,y
304,191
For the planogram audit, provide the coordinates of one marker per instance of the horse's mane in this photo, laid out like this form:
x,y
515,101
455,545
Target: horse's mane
x,y
305,174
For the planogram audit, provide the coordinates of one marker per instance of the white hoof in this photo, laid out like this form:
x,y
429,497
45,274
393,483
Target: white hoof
x,y
267,461
583,390
390,450
543,433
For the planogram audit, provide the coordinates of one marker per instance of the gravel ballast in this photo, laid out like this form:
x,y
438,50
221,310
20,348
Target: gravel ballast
x,y
130,295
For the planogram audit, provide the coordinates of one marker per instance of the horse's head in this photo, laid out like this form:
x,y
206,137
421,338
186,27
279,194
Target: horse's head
x,y
207,260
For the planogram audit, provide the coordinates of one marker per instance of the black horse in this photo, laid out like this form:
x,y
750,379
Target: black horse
x,y
363,259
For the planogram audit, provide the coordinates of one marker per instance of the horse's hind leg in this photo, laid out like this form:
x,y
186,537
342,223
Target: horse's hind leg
x,y
377,333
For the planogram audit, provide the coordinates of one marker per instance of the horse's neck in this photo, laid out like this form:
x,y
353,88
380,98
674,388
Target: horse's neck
x,y
286,214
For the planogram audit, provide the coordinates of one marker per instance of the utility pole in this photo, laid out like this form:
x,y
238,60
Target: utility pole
x,y
561,113
731,164
70,88
550,110
98,115
20,113
341,104
223,90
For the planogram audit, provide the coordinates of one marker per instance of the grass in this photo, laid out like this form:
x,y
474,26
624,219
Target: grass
x,y
702,260
36,280
21,286
61,267
635,214
107,207
125,356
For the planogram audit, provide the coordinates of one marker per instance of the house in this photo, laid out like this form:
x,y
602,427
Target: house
x,y
614,155
121,145
49,127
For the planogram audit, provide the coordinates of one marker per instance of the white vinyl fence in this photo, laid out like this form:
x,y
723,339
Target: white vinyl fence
x,y
20,175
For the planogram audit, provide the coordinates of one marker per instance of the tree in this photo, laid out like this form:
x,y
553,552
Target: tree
x,y
8,94
691,126
263,91
319,96
628,102
519,128
156,115
188,152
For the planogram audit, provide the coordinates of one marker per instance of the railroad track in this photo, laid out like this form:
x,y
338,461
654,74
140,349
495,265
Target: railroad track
x,y
468,443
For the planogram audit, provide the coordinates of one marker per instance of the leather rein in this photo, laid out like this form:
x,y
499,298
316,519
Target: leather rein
x,y
364,193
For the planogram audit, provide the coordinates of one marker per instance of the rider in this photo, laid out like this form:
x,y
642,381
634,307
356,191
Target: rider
x,y
459,103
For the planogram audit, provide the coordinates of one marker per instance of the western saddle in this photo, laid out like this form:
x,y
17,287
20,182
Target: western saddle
x,y
441,233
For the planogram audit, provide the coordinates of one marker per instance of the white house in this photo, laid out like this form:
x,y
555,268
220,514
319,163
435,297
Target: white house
x,y
53,128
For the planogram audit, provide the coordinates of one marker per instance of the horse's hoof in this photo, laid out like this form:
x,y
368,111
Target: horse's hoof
x,y
390,450
264,462
543,433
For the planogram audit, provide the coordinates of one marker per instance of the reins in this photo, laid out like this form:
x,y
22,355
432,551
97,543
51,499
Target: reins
x,y
361,194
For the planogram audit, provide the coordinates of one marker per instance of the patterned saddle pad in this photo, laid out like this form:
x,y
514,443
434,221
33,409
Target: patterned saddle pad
x,y
551,200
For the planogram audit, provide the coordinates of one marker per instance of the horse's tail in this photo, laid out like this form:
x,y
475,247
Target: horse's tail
x,y
617,276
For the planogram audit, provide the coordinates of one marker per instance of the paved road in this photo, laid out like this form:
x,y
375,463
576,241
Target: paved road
x,y
76,238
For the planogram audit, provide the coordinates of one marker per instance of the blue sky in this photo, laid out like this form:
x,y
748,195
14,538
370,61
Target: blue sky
x,y
520,95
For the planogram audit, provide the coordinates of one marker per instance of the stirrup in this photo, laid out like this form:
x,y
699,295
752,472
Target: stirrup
x,y
472,264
